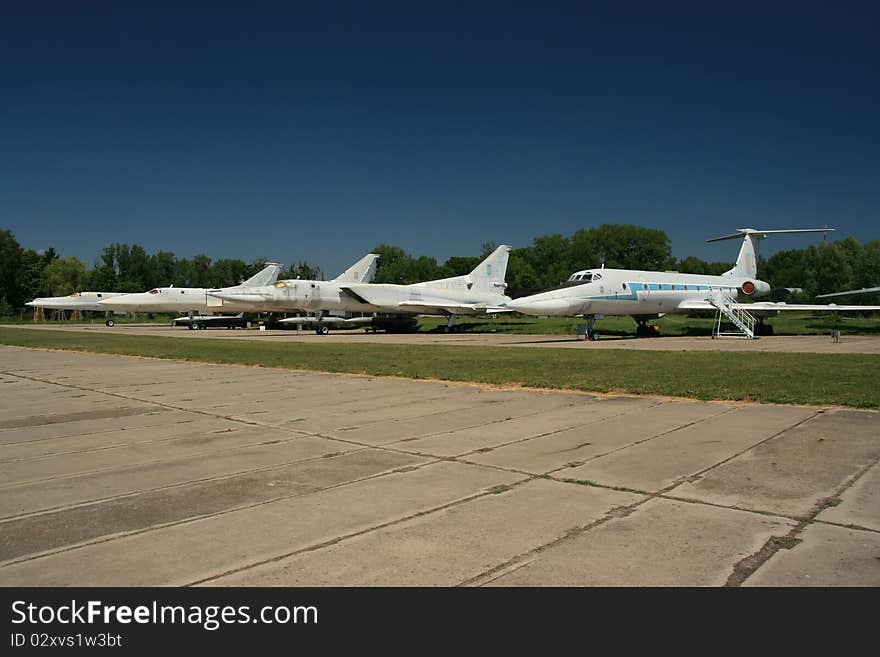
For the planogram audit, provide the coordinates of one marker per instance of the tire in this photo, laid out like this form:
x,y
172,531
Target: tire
x,y
110,323
322,330
195,326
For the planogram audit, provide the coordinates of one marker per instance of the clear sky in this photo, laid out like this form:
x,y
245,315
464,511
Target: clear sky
x,y
314,131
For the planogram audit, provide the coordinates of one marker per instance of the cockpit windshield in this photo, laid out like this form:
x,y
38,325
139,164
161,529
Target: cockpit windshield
x,y
155,290
584,277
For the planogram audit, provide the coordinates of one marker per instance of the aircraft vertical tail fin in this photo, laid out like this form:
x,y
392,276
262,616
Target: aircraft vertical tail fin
x,y
747,261
266,276
360,272
489,275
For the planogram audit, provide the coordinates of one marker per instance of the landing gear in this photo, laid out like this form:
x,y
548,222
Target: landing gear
x,y
645,330
588,330
451,327
110,322
763,329
322,329
194,326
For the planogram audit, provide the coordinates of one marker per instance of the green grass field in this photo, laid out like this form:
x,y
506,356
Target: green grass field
x,y
795,378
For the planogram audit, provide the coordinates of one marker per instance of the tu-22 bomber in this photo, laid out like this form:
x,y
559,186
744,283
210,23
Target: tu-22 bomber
x,y
646,295
191,300
477,293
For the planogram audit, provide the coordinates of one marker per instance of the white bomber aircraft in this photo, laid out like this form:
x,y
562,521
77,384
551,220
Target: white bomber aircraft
x,y
75,301
189,300
479,292
298,294
646,295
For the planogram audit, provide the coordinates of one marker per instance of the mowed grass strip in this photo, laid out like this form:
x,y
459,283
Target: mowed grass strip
x,y
822,379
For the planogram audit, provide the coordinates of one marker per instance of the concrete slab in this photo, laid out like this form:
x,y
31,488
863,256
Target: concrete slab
x,y
663,543
792,473
614,432
240,539
48,532
205,487
580,413
668,459
65,491
482,414
826,556
447,547
860,504
158,417
97,439
200,442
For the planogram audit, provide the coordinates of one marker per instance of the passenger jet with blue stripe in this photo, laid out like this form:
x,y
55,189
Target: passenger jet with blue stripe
x,y
646,295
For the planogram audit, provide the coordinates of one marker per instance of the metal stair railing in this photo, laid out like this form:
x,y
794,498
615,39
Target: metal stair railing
x,y
739,317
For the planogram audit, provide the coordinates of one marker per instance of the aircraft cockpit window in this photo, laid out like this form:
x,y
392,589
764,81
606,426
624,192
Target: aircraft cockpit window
x,y
597,277
154,291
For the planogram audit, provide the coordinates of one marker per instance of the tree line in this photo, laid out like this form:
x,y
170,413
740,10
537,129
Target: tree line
x,y
826,267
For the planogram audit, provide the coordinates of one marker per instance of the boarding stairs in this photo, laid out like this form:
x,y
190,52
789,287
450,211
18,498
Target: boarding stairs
x,y
739,317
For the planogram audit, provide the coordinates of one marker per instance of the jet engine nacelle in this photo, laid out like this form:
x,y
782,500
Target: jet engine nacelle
x,y
782,293
755,288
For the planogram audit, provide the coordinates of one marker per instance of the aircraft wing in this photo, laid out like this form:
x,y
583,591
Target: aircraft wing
x,y
452,308
864,290
764,306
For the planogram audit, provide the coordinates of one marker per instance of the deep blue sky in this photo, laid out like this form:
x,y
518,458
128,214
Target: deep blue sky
x,y
318,131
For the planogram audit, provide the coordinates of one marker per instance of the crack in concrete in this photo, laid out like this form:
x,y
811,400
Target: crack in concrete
x,y
344,537
749,565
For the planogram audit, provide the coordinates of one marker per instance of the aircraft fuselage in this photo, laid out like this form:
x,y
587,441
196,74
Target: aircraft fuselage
x,y
632,292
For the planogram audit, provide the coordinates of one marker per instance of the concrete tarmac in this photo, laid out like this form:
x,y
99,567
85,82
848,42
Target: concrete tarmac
x,y
847,344
138,472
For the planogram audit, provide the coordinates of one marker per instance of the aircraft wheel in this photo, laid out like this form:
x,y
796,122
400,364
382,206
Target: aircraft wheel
x,y
322,330
110,322
195,326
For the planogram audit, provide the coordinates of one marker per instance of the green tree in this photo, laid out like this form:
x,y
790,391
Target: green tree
x,y
66,276
622,246
227,272
303,271
11,292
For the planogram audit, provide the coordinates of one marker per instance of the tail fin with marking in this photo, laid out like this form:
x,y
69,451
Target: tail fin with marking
x,y
360,272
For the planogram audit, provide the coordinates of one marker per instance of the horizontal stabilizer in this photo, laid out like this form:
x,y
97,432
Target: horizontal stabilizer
x,y
760,234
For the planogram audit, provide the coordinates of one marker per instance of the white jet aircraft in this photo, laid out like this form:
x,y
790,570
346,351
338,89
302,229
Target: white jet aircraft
x,y
187,300
476,293
75,301
645,295
298,294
